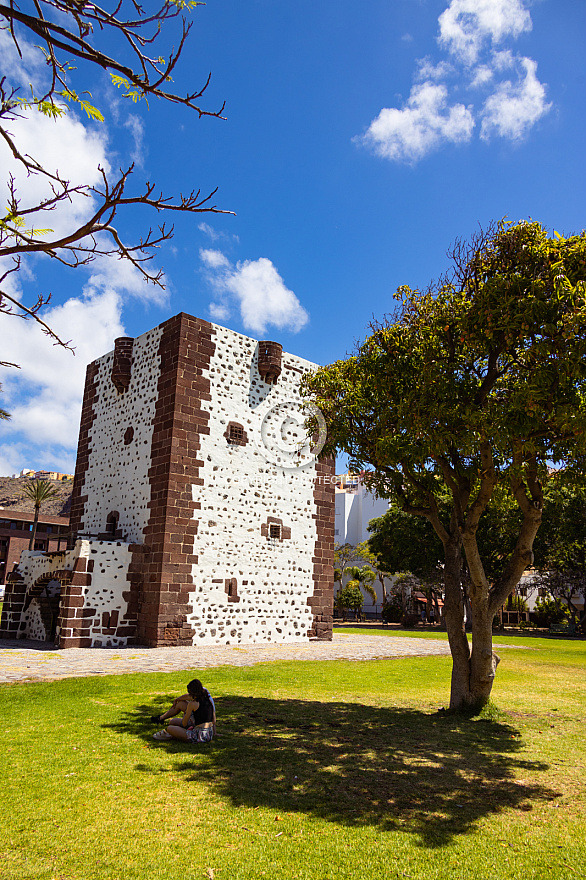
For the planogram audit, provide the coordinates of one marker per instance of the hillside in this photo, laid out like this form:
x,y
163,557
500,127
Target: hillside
x,y
11,497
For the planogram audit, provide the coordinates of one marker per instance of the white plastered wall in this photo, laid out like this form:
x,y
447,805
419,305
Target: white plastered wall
x,y
241,490
104,594
116,478
33,565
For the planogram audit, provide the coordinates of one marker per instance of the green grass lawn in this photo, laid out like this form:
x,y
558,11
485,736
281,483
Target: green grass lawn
x,y
320,770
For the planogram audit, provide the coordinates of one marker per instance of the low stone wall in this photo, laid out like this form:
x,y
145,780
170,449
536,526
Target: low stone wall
x,y
82,594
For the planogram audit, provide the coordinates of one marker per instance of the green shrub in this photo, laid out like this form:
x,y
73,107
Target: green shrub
x,y
350,597
548,610
392,612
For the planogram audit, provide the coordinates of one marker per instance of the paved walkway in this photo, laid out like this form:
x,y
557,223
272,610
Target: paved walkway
x,y
35,661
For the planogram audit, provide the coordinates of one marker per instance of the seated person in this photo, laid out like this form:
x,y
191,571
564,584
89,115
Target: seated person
x,y
198,724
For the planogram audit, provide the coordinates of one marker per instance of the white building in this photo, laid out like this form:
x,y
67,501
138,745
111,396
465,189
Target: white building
x,y
355,508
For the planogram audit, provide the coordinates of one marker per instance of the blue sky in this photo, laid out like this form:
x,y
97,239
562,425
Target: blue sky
x,y
360,141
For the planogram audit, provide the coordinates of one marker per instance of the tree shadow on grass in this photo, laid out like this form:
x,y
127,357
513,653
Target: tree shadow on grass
x,y
434,776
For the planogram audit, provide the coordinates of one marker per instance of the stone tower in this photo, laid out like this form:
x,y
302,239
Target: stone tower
x,y
200,516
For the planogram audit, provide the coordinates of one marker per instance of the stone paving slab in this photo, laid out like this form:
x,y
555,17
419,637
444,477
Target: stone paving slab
x,y
35,661
26,660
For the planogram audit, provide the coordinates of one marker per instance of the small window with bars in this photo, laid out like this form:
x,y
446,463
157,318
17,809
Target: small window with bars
x,y
274,532
236,434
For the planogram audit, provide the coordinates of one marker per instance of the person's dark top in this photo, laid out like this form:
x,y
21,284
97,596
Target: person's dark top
x,y
204,713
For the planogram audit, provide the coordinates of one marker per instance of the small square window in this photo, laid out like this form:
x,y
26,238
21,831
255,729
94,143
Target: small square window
x,y
236,433
275,532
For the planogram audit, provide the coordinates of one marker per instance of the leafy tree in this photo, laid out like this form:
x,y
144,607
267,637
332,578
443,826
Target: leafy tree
x,y
344,556
69,35
403,543
567,587
373,560
477,383
350,597
560,546
549,610
363,576
38,491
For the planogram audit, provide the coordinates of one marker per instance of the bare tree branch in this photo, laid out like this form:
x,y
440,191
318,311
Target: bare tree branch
x,y
66,29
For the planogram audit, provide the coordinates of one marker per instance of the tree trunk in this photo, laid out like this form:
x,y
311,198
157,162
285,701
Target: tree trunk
x,y
483,661
454,617
31,543
383,588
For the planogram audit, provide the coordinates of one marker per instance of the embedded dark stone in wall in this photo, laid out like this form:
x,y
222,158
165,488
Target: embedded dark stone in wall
x,y
128,436
122,365
270,355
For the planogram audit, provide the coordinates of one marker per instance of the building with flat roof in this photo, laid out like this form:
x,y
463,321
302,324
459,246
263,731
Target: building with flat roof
x,y
15,533
200,513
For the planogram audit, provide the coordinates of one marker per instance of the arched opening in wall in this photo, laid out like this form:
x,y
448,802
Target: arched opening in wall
x,y
112,523
41,608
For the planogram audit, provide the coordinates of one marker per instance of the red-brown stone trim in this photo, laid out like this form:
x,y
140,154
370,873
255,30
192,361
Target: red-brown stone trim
x,y
231,587
75,618
13,605
185,349
90,396
122,363
235,434
63,575
284,531
322,600
270,355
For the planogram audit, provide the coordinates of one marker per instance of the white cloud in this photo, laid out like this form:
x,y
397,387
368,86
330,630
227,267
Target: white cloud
x,y
214,259
219,311
24,69
209,231
257,288
63,145
470,31
112,273
482,75
136,128
421,126
514,108
214,235
44,396
427,70
466,25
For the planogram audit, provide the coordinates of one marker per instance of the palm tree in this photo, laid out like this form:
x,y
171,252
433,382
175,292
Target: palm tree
x,y
38,491
363,577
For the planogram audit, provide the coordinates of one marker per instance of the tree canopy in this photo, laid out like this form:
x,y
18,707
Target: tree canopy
x,y
122,39
476,383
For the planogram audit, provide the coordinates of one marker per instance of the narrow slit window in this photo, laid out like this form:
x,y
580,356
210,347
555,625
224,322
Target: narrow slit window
x,y
112,524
